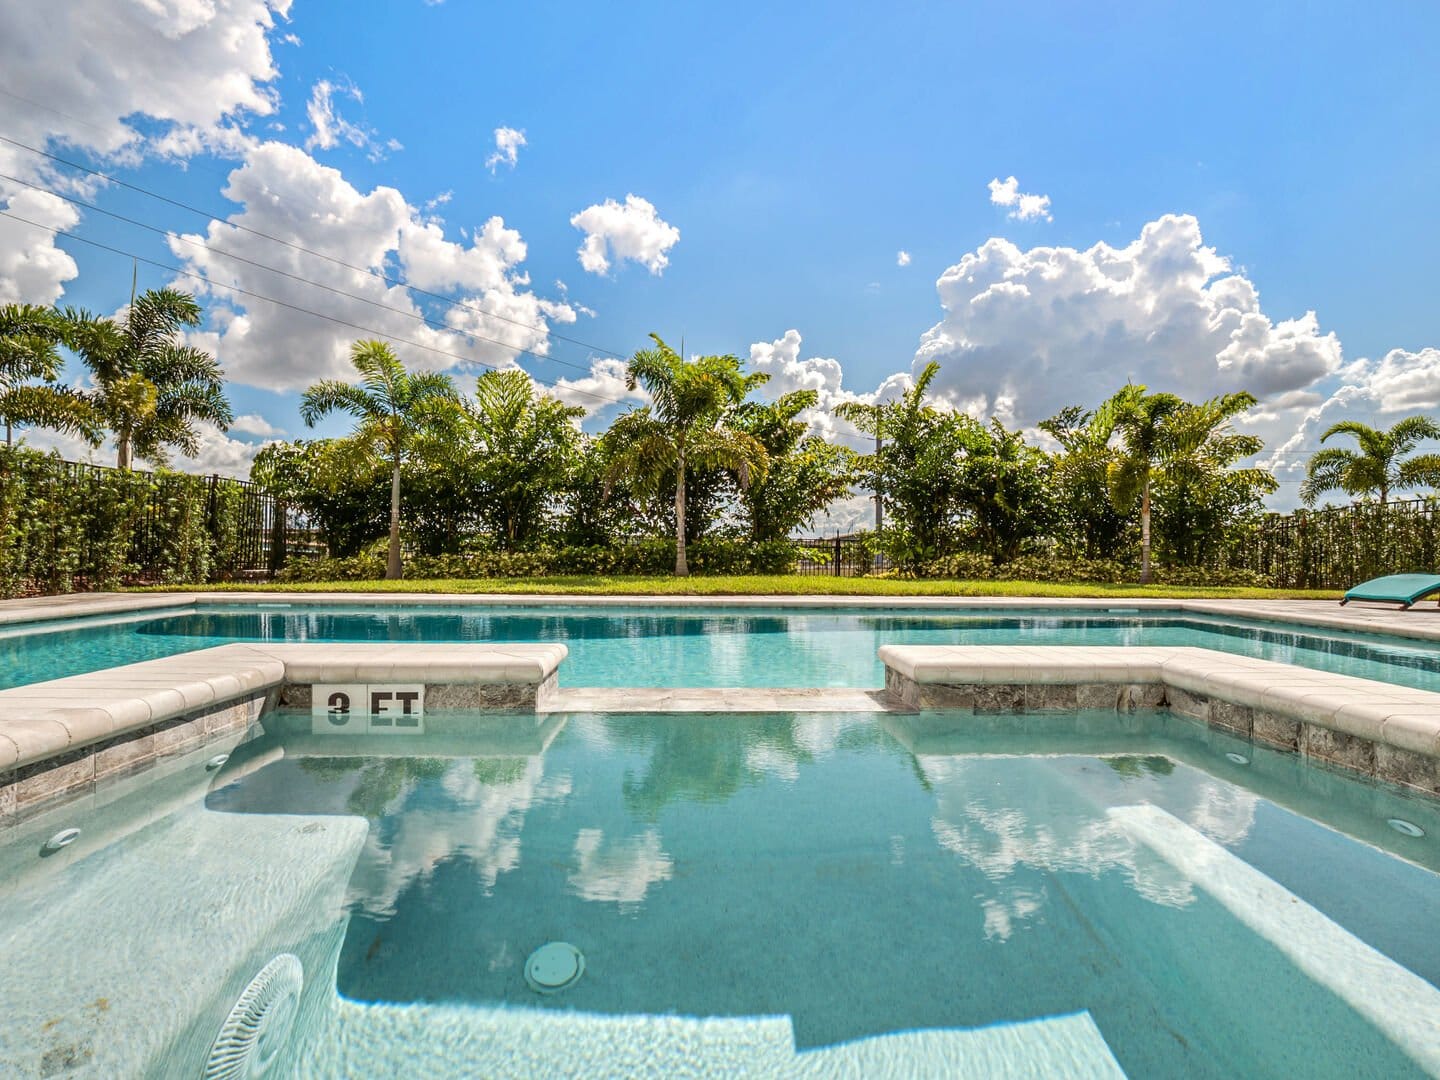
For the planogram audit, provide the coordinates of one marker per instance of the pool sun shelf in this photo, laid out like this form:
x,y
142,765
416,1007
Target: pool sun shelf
x,y
1377,729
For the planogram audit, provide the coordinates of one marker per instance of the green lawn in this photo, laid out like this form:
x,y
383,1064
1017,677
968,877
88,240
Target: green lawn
x,y
777,585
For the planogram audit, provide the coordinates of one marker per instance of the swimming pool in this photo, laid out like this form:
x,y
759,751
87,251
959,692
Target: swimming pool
x,y
783,894
711,646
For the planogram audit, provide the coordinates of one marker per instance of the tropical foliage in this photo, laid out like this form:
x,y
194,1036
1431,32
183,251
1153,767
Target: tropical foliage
x,y
394,410
1379,466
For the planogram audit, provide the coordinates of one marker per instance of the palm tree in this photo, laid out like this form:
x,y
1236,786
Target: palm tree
x,y
685,426
150,390
1161,436
392,406
1377,467
30,337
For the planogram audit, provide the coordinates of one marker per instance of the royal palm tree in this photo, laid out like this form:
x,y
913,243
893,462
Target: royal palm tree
x,y
685,426
392,407
150,389
1377,469
30,338
1161,436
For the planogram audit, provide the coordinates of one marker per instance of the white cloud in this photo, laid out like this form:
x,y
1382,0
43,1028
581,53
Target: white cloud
x,y
1023,207
330,129
218,453
631,231
33,270
1375,392
1031,331
439,200
196,71
507,148
780,359
285,192
254,424
621,870
598,390
902,258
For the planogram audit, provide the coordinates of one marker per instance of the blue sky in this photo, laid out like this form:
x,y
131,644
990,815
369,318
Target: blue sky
x,y
1245,168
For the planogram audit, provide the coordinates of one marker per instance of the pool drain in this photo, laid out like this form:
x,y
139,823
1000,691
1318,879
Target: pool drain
x,y
554,967
1407,828
256,1030
1238,759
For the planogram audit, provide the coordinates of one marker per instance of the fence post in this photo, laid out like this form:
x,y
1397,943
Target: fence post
x,y
837,555
277,536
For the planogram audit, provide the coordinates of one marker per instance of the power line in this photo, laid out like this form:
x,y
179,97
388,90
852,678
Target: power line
x,y
308,311
420,317
217,219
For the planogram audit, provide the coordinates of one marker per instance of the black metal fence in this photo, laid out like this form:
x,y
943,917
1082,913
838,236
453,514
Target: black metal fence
x,y
1340,546
839,556
68,525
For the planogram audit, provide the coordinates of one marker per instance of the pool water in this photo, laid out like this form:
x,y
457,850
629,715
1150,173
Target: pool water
x,y
713,647
866,876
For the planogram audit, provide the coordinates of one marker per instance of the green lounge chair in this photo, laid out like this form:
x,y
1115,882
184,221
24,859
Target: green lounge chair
x,y
1403,589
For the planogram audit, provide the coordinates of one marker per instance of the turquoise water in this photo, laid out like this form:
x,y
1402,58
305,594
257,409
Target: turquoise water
x,y
813,867
772,895
701,647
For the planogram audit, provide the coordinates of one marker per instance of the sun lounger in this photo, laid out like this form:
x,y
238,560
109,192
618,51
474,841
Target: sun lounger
x,y
1403,589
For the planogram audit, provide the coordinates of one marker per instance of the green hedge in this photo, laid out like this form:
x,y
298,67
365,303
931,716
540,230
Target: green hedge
x,y
714,555
66,527
969,566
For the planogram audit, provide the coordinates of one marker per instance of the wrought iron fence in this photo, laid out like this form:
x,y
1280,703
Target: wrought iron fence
x,y
1337,547
839,556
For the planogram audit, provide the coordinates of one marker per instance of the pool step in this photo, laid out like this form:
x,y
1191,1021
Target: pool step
x,y
721,699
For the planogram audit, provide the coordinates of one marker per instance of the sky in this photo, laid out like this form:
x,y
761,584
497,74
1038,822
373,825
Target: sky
x,y
1048,199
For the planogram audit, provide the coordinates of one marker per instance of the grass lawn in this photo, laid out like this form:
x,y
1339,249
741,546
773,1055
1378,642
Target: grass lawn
x,y
776,585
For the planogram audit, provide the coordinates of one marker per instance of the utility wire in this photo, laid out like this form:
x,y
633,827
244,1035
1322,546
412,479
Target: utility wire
x,y
308,311
217,219
409,314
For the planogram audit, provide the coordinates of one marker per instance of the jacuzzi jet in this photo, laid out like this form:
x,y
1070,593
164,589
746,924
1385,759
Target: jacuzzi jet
x,y
1406,828
258,1026
554,967
63,838
216,761
1238,759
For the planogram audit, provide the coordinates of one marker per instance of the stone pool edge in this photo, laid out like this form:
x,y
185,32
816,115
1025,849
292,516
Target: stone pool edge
x,y
62,738
1375,729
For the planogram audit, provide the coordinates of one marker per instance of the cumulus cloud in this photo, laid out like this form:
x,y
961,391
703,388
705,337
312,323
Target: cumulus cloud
x,y
902,258
254,424
216,65
780,359
285,192
218,452
1375,392
1023,207
33,270
1027,332
597,391
507,148
632,230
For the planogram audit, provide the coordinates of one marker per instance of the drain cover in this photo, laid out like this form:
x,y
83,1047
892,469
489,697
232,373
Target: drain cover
x,y
1409,828
553,967
259,1025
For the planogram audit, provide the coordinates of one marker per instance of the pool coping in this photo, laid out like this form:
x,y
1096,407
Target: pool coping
x,y
1415,623
60,738
1377,729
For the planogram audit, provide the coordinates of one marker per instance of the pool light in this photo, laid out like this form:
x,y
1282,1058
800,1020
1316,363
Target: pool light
x,y
1405,828
216,761
62,839
1238,759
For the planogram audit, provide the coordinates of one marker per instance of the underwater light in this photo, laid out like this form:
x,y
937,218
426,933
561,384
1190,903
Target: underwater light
x,y
1406,828
554,967
216,761
63,838
1238,759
